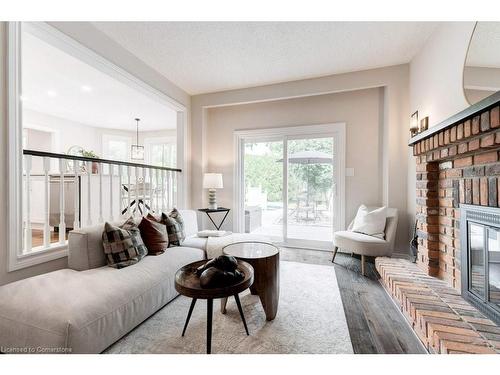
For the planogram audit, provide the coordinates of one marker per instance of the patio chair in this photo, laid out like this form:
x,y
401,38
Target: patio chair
x,y
363,244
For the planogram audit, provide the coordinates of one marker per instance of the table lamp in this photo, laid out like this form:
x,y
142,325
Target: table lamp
x,y
212,181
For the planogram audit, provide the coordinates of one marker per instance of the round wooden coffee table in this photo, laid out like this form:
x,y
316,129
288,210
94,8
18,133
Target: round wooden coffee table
x,y
265,260
187,283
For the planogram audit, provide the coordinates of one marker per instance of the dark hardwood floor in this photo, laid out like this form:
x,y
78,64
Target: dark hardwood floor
x,y
375,324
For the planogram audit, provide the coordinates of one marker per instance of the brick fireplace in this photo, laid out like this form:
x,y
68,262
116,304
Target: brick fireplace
x,y
457,174
458,164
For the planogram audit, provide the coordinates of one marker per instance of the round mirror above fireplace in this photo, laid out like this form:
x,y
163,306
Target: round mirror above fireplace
x,y
482,66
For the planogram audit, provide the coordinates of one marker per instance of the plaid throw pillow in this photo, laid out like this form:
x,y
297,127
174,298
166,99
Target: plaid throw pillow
x,y
123,245
175,227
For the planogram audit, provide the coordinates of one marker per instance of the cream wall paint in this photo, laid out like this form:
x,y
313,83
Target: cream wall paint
x,y
358,109
104,46
394,102
436,84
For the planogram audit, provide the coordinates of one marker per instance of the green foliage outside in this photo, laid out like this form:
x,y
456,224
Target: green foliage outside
x,y
264,168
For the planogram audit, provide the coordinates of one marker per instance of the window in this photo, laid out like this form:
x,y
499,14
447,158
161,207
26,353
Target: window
x,y
161,151
116,147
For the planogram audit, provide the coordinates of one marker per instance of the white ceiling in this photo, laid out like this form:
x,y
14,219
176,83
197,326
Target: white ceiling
x,y
484,50
60,85
205,57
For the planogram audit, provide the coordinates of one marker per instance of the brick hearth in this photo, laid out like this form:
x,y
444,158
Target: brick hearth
x,y
459,164
441,318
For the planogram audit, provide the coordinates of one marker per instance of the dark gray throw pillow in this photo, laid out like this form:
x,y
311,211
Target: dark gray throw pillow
x,y
175,227
123,245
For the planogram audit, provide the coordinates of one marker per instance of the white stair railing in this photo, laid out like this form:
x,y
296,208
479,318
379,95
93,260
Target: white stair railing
x,y
78,191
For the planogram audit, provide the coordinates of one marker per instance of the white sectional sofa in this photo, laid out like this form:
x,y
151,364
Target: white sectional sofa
x,y
87,307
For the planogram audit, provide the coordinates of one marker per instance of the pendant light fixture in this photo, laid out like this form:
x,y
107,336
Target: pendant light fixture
x,y
137,151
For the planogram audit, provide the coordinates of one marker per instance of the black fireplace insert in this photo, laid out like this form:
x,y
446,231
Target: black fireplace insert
x,y
480,258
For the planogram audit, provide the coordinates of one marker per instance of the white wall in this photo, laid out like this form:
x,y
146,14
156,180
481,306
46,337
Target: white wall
x,y
69,133
436,83
92,38
394,115
436,73
360,110
66,133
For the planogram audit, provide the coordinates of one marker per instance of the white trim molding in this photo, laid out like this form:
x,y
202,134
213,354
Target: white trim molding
x,y
14,156
335,130
70,46
18,259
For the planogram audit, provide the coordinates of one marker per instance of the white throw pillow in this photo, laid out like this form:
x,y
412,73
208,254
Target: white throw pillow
x,y
371,222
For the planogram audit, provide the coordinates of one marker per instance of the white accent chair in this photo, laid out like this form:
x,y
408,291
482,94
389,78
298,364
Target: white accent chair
x,y
363,244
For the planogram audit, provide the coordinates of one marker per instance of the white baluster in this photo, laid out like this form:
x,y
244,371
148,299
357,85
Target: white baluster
x,y
27,186
163,183
111,205
143,190
137,189
169,191
101,217
120,185
62,219
76,220
46,199
129,201
157,192
174,189
89,203
150,191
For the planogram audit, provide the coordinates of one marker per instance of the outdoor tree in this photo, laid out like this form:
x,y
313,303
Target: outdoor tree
x,y
264,168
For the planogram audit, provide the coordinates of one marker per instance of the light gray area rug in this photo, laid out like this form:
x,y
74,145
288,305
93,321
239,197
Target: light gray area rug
x,y
310,319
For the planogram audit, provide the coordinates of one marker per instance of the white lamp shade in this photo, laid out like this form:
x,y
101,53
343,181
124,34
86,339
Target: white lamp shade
x,y
212,181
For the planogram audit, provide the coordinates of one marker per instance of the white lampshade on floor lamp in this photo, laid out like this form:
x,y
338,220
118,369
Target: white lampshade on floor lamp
x,y
212,181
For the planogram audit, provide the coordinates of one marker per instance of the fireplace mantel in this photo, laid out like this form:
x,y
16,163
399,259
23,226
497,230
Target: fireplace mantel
x,y
457,162
473,110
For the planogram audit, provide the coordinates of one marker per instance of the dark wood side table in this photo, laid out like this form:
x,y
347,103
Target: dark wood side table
x,y
187,283
209,211
265,259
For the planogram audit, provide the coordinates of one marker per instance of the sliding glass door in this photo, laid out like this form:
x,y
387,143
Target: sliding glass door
x,y
289,188
310,185
263,184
